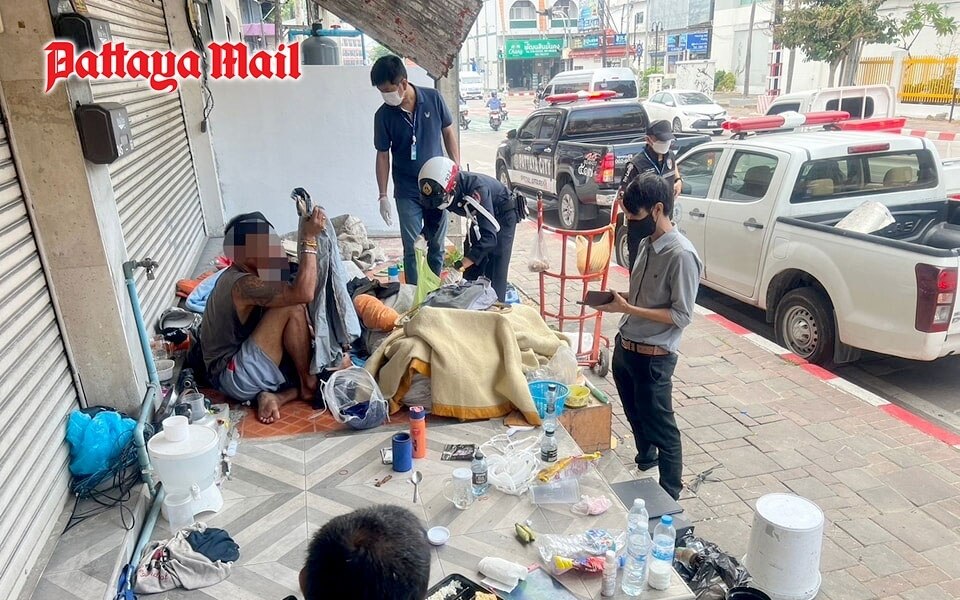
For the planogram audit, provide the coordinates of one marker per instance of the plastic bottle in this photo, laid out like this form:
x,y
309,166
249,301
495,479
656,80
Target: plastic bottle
x,y
661,556
548,447
393,273
609,586
638,549
479,468
418,431
550,417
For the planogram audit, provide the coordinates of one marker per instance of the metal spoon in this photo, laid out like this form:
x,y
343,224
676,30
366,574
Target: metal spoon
x,y
416,478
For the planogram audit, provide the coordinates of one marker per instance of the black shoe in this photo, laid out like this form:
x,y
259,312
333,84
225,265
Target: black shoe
x,y
645,463
646,466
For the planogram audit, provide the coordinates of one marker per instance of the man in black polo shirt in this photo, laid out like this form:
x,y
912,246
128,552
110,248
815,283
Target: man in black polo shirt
x,y
657,157
410,126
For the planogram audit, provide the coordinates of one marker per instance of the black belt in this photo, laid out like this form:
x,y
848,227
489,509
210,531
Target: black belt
x,y
644,349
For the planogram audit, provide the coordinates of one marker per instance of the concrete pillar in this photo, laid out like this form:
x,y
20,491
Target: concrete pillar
x,y
896,76
83,252
449,88
198,132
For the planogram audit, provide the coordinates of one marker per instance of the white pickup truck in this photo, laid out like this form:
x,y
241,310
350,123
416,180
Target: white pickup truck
x,y
761,212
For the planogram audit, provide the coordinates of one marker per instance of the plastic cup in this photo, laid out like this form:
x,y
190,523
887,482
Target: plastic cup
x,y
402,452
176,428
178,510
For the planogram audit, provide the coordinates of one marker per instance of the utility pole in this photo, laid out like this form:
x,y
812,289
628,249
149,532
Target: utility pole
x,y
603,34
746,71
277,22
793,56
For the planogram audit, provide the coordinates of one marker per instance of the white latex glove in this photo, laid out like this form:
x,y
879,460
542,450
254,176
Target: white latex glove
x,y
385,210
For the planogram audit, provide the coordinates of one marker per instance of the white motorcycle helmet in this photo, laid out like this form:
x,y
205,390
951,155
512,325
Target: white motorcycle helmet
x,y
437,180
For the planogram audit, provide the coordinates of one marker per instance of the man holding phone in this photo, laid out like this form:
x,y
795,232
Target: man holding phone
x,y
663,289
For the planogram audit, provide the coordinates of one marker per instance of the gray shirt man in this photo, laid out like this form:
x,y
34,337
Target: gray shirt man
x,y
666,275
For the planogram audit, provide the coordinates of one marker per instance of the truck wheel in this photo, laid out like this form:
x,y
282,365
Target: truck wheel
x,y
677,126
620,247
503,177
804,325
569,207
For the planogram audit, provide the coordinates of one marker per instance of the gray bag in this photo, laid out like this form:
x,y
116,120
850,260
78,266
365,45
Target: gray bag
x,y
465,295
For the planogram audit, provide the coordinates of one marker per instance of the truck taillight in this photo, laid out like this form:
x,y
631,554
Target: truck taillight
x,y
606,169
936,296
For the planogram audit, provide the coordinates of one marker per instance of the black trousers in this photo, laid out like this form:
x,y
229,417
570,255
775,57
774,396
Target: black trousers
x,y
496,265
645,385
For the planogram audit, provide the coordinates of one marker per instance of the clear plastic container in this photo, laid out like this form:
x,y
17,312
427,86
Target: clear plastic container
x,y
564,491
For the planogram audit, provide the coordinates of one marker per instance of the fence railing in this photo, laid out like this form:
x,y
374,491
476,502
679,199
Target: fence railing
x,y
926,79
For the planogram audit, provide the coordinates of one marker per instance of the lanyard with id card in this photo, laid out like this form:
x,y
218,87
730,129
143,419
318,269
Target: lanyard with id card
x,y
413,126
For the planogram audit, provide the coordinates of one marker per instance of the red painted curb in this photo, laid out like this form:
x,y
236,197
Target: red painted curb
x,y
818,371
920,424
728,324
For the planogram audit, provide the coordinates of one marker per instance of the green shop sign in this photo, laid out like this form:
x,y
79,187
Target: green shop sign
x,y
533,48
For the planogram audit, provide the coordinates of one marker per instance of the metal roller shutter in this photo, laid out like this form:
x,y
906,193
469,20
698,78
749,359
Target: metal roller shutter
x,y
37,391
155,185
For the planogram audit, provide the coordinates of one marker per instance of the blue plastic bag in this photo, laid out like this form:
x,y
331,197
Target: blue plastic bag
x,y
96,443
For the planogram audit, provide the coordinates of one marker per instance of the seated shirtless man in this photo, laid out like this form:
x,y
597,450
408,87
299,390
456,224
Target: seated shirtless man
x,y
254,317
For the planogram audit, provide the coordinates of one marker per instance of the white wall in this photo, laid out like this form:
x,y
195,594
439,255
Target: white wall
x,y
729,49
317,133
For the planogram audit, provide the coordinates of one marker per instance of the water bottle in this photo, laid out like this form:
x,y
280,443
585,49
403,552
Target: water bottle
x,y
551,412
479,468
548,447
638,549
661,557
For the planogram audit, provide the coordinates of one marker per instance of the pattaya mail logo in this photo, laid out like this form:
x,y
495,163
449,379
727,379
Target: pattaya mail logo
x,y
164,70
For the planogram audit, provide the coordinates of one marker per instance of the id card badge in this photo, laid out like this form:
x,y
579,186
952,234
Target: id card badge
x,y
413,149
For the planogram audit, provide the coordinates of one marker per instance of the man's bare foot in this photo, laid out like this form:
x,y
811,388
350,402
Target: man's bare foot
x,y
308,388
346,363
268,407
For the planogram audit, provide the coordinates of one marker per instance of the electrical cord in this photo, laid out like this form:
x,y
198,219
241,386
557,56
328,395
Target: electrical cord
x,y
208,100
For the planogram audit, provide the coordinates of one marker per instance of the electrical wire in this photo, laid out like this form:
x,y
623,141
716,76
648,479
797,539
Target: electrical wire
x,y
208,100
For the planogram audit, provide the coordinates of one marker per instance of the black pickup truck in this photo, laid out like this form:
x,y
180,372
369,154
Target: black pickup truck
x,y
576,154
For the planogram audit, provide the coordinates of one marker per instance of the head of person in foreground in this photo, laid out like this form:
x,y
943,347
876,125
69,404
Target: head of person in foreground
x,y
374,553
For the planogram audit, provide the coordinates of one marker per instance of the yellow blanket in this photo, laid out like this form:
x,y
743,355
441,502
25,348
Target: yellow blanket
x,y
476,360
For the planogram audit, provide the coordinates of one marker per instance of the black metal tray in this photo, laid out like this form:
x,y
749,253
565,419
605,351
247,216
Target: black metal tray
x,y
469,591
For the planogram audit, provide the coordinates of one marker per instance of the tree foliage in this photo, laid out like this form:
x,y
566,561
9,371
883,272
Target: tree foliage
x,y
921,16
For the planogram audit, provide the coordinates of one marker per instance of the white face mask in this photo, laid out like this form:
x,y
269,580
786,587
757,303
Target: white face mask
x,y
661,147
394,98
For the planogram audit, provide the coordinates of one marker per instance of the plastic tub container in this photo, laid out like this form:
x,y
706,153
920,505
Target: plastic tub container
x,y
564,491
181,463
578,398
175,428
178,510
165,369
783,554
538,389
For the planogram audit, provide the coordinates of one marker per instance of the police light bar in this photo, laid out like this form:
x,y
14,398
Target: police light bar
x,y
786,120
581,95
889,125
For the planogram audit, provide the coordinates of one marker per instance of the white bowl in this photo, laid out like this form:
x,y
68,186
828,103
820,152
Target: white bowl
x,y
438,535
165,369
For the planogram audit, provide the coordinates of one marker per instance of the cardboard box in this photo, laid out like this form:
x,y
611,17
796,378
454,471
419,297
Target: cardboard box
x,y
590,426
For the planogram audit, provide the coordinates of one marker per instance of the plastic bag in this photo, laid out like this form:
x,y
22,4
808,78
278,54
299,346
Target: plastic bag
x,y
539,261
427,280
354,398
709,571
512,464
96,442
600,252
563,366
561,553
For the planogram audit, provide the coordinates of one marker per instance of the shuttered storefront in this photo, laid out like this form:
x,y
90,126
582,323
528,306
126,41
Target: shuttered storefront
x,y
37,391
155,185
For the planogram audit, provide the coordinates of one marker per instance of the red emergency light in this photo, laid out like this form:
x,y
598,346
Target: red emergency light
x,y
581,95
787,120
889,125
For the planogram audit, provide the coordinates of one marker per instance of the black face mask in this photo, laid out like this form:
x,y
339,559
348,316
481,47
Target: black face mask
x,y
644,227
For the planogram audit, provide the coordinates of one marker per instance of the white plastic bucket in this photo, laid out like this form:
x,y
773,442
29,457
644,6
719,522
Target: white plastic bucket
x,y
783,555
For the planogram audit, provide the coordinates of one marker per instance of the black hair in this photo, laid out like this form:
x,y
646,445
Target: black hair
x,y
374,553
387,69
645,191
237,229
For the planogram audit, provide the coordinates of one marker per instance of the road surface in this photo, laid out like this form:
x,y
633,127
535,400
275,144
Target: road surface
x,y
926,388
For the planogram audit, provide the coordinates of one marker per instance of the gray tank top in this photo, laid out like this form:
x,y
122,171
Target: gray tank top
x,y
222,333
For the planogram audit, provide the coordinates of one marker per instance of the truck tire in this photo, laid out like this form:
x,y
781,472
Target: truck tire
x,y
677,126
621,251
569,208
504,177
804,325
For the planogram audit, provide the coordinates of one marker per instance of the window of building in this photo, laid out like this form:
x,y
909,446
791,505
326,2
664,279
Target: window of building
x,y
523,15
564,14
638,18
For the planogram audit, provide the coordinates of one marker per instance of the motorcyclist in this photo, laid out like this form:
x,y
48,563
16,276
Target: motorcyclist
x,y
493,213
495,103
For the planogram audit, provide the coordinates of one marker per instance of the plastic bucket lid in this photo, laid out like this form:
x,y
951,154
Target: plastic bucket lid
x,y
199,440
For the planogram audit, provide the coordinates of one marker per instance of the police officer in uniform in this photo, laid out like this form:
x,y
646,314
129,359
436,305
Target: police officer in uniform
x,y
657,157
492,211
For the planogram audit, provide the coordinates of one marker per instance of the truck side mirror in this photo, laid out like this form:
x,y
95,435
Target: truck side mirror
x,y
512,134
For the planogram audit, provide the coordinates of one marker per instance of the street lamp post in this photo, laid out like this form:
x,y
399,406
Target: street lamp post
x,y
657,28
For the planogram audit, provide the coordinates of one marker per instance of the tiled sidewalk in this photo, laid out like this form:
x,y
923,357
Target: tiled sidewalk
x,y
890,493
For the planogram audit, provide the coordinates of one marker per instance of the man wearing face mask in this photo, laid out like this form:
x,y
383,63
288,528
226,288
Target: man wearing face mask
x,y
492,211
663,290
411,127
655,158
